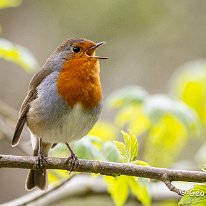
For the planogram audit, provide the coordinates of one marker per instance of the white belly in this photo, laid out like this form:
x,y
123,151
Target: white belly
x,y
73,125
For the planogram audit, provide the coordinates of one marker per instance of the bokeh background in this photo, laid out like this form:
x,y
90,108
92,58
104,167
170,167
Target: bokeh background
x,y
146,42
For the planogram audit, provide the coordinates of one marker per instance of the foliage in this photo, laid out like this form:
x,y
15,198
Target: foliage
x,y
127,95
164,124
13,52
9,3
128,152
129,149
17,54
92,147
104,130
189,84
195,196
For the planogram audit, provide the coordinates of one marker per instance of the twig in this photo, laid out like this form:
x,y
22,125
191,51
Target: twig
x,y
108,168
83,186
170,186
48,191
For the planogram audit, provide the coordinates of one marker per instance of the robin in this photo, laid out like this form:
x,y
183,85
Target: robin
x,y
63,103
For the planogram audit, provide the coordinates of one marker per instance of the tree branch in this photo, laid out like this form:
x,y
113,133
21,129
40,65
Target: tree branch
x,y
170,186
105,168
53,189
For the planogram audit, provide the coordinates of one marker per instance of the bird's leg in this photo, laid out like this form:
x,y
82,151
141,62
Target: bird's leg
x,y
72,159
41,158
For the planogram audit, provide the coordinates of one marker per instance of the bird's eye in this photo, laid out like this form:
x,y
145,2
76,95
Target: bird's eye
x,y
76,49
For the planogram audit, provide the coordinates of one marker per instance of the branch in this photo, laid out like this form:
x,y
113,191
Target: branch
x,y
81,186
53,189
170,186
105,168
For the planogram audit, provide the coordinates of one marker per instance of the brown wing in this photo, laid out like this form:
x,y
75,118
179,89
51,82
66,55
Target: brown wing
x,y
32,94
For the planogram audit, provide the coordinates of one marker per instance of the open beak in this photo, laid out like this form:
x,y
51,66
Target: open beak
x,y
91,50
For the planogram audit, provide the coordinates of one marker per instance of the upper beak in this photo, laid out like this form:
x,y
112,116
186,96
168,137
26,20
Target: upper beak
x,y
92,48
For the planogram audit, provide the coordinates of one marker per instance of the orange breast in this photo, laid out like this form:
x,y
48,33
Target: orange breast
x,y
79,82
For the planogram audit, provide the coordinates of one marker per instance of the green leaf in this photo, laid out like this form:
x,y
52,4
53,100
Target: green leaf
x,y
189,84
133,116
109,152
140,162
127,95
9,3
129,149
54,176
165,141
118,189
131,145
139,190
169,203
195,196
86,149
103,130
17,54
122,151
159,105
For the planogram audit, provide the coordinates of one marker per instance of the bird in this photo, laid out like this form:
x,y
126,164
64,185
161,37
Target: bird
x,y
63,103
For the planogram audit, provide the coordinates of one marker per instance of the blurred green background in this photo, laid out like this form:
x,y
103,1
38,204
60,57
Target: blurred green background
x,y
147,41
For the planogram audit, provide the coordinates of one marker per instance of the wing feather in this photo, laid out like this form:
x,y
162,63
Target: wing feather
x,y
32,95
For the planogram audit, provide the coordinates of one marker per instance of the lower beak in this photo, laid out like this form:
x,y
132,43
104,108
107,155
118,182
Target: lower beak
x,y
92,48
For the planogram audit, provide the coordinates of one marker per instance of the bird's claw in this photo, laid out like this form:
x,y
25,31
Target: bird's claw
x,y
41,160
72,160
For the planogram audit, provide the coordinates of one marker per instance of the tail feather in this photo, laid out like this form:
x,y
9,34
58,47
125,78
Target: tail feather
x,y
36,178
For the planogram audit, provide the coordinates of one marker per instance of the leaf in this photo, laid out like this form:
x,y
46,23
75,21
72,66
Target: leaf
x,y
122,151
105,131
9,3
54,176
134,117
118,189
139,190
86,149
140,162
17,54
129,149
120,196
131,145
189,84
109,152
127,95
195,196
157,106
165,141
169,203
